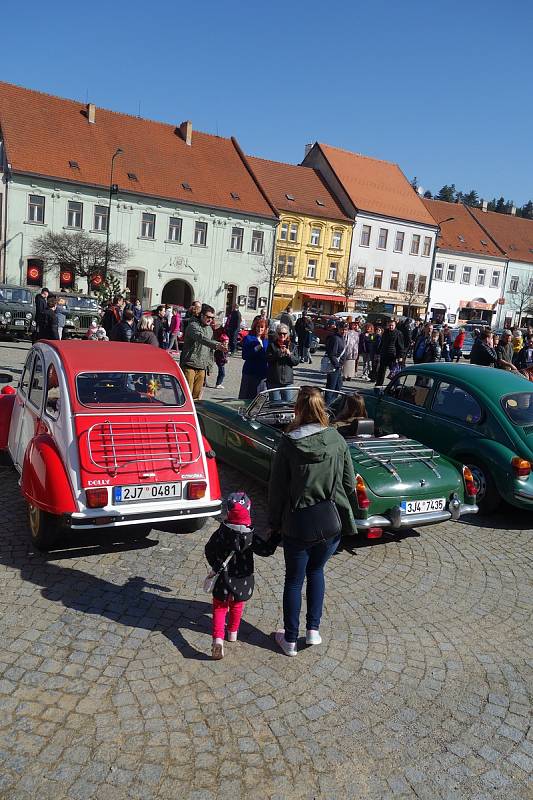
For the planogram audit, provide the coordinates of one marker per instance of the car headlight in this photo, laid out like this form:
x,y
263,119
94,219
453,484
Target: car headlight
x,y
7,314
2,319
29,315
69,323
76,322
94,321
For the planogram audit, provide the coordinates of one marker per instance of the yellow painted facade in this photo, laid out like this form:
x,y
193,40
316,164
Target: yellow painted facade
x,y
312,256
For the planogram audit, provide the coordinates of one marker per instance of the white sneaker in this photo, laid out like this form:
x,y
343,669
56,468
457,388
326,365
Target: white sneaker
x,y
217,649
289,648
232,636
220,386
313,637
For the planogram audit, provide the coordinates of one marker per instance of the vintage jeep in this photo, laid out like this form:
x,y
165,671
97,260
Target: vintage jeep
x,y
81,311
17,311
105,435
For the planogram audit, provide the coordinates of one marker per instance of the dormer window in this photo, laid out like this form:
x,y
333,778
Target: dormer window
x,y
187,187
235,196
320,203
289,196
73,165
132,176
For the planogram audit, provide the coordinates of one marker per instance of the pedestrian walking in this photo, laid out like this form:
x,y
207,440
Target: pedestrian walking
x,y
303,329
524,361
230,554
446,343
483,353
281,356
61,312
123,331
366,350
161,327
233,326
426,348
137,311
457,350
311,501
113,313
505,352
335,350
144,334
48,325
391,351
351,343
198,347
375,358
193,312
40,308
221,359
174,329
254,369
287,318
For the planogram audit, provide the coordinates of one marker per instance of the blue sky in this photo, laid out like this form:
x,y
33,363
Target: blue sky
x,y
442,89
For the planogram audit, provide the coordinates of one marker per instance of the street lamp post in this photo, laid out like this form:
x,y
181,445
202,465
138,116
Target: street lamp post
x,y
113,189
432,268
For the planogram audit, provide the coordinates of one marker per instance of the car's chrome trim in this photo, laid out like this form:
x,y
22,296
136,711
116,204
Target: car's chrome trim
x,y
524,495
412,520
87,521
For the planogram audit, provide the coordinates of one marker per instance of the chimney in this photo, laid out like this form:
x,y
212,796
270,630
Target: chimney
x,y
91,113
185,130
307,148
484,205
513,210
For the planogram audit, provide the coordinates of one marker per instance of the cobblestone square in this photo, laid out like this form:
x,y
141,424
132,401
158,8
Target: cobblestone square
x,y
422,688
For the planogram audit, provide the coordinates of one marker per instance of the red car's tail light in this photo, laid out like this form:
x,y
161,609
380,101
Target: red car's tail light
x,y
521,467
196,490
96,498
360,491
470,484
374,533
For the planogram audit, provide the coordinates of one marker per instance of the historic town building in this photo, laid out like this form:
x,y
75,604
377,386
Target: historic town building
x,y
313,238
394,234
185,204
469,270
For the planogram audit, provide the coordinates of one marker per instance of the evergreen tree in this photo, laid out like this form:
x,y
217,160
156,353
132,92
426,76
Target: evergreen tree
x,y
428,195
527,210
447,193
471,198
414,183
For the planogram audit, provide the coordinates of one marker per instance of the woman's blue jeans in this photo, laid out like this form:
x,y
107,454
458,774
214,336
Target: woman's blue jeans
x,y
304,562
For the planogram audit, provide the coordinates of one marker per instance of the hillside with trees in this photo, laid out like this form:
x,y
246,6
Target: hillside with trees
x,y
450,194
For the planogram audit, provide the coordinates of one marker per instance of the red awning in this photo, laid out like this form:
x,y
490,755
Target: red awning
x,y
476,304
333,298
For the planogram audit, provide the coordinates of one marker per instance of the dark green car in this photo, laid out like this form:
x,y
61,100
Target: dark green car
x,y
480,416
400,483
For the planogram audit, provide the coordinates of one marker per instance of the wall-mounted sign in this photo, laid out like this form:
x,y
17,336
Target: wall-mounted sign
x,y
241,300
263,302
452,318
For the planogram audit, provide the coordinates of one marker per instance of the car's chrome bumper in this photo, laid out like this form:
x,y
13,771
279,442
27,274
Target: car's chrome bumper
x,y
100,518
396,520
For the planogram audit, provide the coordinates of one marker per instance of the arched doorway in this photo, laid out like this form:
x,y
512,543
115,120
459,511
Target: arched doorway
x,y
135,283
177,293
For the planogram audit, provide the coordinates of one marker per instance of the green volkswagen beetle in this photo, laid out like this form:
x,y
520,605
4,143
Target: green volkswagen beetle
x,y
400,483
480,416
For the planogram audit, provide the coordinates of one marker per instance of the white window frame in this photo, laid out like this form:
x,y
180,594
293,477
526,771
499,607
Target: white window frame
x,y
410,284
422,282
74,214
291,262
333,270
481,276
377,280
463,271
284,231
312,264
439,271
282,260
237,238
415,244
36,210
360,273
258,242
175,226
451,269
98,215
399,235
251,298
426,246
394,276
336,240
293,232
366,233
495,279
383,235
200,234
513,283
147,225
315,236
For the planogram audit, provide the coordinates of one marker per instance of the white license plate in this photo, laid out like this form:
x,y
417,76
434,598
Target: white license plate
x,y
146,492
19,323
423,506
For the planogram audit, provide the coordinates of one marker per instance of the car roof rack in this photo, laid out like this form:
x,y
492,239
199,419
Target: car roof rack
x,y
393,452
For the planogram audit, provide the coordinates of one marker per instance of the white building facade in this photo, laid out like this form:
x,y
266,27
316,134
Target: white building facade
x,y
466,287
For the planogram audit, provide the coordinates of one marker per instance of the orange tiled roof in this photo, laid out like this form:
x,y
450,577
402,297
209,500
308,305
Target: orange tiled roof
x,y
462,234
42,133
282,181
514,235
379,187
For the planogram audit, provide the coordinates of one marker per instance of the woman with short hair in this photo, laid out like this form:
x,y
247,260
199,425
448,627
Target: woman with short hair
x,y
311,502
281,357
145,332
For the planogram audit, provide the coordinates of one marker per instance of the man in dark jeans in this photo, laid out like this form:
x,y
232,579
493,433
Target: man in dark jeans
x,y
40,308
391,350
48,328
335,350
233,326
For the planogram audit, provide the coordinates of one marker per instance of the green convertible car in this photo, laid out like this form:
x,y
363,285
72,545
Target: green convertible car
x,y
479,416
400,483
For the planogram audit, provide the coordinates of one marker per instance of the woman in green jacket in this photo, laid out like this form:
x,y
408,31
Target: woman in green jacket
x,y
312,466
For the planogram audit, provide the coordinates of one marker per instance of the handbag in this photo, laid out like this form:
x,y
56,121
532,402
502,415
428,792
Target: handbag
x,y
212,577
326,364
316,523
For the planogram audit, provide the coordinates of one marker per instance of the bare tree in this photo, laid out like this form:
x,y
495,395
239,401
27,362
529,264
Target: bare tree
x,y
268,271
521,299
413,298
82,253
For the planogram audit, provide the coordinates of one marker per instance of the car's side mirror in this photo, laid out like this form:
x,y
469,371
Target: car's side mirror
x,y
379,391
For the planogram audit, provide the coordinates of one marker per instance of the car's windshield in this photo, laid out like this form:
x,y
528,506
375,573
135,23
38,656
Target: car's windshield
x,y
519,407
15,295
117,388
75,303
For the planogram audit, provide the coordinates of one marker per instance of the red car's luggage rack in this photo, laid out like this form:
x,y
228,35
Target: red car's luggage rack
x,y
115,445
394,451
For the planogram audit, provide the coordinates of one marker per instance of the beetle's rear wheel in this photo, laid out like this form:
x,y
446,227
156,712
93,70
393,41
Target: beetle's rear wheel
x,y
44,527
488,498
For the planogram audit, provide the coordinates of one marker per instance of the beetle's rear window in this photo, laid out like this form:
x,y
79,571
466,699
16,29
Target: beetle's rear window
x,y
519,407
118,388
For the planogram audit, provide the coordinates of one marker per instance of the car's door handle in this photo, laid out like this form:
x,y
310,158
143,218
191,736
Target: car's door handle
x,y
416,416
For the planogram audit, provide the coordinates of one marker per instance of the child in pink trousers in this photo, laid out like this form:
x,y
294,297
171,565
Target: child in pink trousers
x,y
235,585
